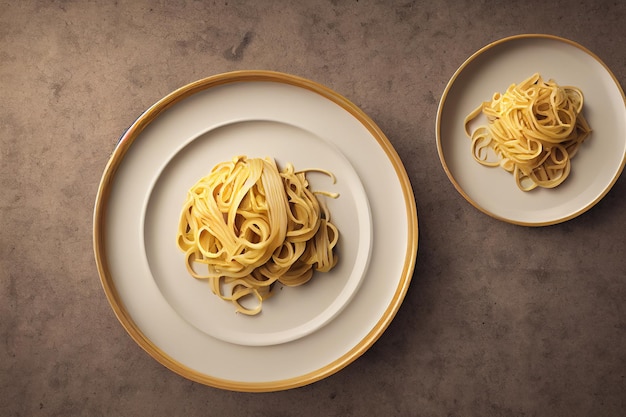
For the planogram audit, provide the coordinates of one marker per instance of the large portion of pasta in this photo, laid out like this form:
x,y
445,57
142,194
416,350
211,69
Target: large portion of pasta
x,y
251,225
534,129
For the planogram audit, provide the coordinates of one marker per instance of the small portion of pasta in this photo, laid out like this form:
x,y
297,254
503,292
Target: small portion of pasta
x,y
534,130
252,225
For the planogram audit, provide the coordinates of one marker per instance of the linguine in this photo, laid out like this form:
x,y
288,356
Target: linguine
x,y
534,129
251,225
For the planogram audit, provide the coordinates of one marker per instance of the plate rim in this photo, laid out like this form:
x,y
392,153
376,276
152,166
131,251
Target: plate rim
x,y
99,221
442,103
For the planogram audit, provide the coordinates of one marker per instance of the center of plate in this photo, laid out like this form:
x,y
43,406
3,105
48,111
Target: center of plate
x,y
293,312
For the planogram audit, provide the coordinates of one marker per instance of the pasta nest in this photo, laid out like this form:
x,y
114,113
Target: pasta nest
x,y
249,225
534,130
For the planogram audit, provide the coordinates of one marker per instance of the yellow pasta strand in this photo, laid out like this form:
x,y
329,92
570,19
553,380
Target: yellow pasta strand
x,y
252,225
534,130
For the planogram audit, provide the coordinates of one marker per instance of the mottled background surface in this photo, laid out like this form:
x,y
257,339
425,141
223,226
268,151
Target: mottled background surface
x,y
500,320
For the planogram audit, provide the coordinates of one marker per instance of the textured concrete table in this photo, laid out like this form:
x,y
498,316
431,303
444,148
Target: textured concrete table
x,y
493,323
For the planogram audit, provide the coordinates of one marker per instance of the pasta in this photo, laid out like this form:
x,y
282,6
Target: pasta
x,y
251,226
534,130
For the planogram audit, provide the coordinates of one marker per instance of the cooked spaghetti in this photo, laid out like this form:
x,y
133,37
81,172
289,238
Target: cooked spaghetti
x,y
251,225
534,130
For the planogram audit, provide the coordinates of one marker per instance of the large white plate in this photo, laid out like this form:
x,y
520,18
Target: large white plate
x,y
303,334
594,169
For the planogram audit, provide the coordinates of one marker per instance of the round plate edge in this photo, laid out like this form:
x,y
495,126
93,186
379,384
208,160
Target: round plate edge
x,y
99,220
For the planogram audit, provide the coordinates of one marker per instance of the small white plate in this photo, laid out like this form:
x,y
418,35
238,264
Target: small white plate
x,y
595,168
293,312
303,334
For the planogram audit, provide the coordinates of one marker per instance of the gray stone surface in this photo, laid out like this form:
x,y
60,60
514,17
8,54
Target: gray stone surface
x,y
500,320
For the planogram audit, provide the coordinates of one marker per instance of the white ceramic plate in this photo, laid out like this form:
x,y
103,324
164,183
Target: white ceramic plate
x,y
303,334
294,312
595,168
